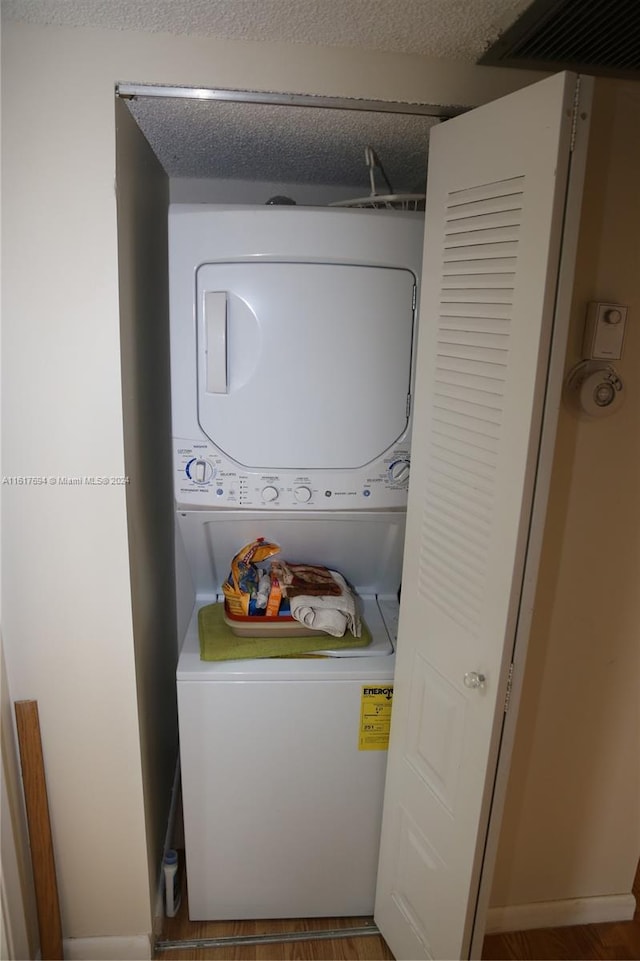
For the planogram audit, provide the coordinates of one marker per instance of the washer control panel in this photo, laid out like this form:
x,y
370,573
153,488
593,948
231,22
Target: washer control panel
x,y
205,478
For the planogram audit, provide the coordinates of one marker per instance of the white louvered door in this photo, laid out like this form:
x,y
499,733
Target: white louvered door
x,y
495,203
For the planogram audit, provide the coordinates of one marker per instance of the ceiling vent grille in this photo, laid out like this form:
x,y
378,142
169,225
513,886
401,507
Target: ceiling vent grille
x,y
596,36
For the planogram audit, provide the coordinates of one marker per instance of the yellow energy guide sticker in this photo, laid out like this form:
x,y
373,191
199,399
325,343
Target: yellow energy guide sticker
x,y
375,717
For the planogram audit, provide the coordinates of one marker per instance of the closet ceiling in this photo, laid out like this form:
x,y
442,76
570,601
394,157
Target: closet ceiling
x,y
211,139
282,144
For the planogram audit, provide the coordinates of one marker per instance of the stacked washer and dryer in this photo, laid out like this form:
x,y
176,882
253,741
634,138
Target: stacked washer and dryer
x,y
292,354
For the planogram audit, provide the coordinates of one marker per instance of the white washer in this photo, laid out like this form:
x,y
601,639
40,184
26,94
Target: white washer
x,y
292,340
282,806
282,810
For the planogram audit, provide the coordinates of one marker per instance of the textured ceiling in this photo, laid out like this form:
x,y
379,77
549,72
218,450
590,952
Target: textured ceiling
x,y
458,29
284,144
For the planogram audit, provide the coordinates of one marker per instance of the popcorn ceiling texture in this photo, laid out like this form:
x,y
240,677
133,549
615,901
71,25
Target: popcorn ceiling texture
x,y
456,29
284,144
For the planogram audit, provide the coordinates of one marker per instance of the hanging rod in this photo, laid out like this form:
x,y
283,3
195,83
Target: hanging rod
x,y
135,91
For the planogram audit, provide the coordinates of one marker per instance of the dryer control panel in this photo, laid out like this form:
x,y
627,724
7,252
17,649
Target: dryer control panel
x,y
205,478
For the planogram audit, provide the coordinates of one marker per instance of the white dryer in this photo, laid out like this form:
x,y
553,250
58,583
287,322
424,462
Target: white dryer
x,y
292,339
292,344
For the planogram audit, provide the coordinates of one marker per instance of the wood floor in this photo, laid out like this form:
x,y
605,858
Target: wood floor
x,y
368,947
585,942
590,942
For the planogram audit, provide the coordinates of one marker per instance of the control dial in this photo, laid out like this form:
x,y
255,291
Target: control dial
x,y
613,316
399,472
302,494
200,471
269,494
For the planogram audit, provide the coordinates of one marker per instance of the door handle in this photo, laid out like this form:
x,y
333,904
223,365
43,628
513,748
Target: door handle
x,y
472,679
215,325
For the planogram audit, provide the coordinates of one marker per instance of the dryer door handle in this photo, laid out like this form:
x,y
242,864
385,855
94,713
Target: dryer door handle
x,y
215,324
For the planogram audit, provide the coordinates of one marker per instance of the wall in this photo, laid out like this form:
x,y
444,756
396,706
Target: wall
x,y
143,199
67,602
70,634
571,827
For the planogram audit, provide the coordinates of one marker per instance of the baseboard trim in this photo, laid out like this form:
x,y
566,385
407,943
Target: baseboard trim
x,y
561,914
137,948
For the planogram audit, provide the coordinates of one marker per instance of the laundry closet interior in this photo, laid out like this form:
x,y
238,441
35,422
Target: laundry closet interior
x,y
306,442
282,775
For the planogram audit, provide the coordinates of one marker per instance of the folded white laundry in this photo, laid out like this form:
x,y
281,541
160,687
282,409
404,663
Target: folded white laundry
x,y
330,613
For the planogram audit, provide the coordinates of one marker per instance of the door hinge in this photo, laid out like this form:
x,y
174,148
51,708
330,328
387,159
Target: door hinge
x,y
507,696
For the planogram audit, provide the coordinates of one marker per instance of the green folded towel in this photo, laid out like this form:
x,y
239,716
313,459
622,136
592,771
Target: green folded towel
x,y
219,643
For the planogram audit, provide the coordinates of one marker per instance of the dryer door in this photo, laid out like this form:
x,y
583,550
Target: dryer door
x,y
304,365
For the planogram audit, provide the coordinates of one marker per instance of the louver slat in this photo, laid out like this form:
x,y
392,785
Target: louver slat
x,y
479,279
474,329
483,253
481,267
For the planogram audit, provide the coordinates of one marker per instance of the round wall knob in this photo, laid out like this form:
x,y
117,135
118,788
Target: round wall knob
x,y
613,316
595,388
302,494
604,394
269,494
473,679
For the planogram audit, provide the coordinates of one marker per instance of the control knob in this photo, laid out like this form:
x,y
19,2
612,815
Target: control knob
x,y
399,472
269,494
302,494
200,471
613,316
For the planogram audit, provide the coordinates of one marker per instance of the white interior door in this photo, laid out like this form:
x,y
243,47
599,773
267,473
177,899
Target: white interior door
x,y
495,205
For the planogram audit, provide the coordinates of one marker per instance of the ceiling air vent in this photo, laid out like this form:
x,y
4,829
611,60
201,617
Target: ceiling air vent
x,y
595,36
